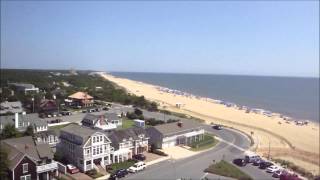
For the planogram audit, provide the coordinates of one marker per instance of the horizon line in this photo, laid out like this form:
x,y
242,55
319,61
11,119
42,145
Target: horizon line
x,y
192,73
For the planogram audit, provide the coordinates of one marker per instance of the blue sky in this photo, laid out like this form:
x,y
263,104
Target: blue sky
x,y
216,37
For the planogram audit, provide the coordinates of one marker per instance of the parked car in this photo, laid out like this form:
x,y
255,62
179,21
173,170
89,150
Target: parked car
x,y
265,165
217,127
251,158
84,111
66,113
139,157
289,176
273,168
257,162
105,108
240,162
139,166
72,169
278,173
120,173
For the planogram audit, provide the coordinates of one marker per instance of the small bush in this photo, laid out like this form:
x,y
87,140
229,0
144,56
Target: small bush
x,y
156,151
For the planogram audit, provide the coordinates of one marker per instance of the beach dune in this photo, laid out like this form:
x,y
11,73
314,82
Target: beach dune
x,y
299,144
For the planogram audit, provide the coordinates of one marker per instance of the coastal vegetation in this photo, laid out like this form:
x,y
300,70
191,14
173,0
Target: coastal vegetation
x,y
292,166
226,169
62,84
9,131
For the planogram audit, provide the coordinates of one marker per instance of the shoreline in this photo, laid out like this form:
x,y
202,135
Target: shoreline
x,y
266,130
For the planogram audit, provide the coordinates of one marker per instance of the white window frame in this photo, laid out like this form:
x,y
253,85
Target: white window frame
x,y
23,167
25,177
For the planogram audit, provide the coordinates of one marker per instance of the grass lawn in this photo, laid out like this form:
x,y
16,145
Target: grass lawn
x,y
207,142
127,123
122,165
226,169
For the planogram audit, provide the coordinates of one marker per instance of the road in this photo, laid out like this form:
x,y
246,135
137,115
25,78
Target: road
x,y
193,167
232,146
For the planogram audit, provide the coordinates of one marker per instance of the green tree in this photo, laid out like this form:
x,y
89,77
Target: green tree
x,y
29,131
9,131
4,164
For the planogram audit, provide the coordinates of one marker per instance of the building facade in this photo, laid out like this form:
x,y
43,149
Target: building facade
x,y
173,134
105,121
128,142
85,147
29,161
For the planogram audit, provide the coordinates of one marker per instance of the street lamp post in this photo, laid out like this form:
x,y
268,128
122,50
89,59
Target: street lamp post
x,y
32,104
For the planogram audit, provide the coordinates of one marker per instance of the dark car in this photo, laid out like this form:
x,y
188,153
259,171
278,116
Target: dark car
x,y
217,127
239,162
265,165
120,173
289,176
139,157
257,162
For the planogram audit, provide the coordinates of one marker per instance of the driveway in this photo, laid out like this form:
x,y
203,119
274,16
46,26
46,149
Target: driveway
x,y
177,152
81,176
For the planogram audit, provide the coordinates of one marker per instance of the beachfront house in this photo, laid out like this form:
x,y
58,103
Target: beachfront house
x,y
28,160
105,121
183,132
84,147
10,107
80,99
128,142
22,121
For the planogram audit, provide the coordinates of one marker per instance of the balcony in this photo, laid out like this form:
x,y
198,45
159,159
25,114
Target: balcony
x,y
47,167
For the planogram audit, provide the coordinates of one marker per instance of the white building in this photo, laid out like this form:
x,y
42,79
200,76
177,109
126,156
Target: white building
x,y
84,147
105,121
128,142
173,134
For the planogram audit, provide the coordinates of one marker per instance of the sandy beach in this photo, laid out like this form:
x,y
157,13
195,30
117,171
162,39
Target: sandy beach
x,y
299,144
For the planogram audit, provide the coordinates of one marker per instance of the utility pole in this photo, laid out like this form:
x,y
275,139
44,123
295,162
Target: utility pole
x,y
32,104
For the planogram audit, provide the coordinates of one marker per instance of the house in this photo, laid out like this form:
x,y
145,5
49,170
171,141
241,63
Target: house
x,y
128,142
22,121
11,107
48,106
183,132
84,147
24,87
81,99
28,160
105,121
50,137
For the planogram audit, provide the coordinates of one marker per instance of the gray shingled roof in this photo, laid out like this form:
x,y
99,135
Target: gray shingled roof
x,y
18,147
25,85
173,128
78,130
117,136
33,120
111,116
13,107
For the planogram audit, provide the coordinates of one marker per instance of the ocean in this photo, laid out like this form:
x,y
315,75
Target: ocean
x,y
292,96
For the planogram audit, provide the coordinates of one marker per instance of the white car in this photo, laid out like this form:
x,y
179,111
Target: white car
x,y
139,166
273,169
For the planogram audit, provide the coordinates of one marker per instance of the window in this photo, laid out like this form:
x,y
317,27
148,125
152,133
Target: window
x,y
26,177
94,151
100,138
94,139
25,167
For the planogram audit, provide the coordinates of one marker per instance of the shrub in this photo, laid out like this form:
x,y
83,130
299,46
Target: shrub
x,y
157,151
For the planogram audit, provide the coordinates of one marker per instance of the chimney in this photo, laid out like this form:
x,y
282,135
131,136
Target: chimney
x,y
179,124
16,120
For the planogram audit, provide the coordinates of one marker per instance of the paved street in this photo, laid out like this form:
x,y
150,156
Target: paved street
x,y
233,145
192,167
